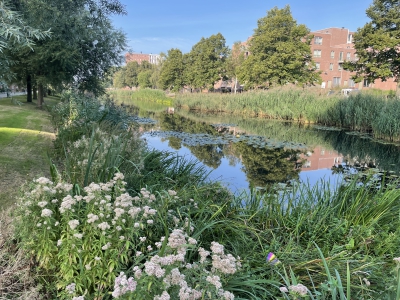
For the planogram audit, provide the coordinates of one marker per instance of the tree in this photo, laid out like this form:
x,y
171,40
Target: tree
x,y
144,79
234,62
14,32
377,44
131,74
171,74
119,79
84,45
207,60
279,52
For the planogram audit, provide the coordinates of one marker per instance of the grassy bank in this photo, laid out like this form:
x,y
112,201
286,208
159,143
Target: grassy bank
x,y
114,206
25,138
281,104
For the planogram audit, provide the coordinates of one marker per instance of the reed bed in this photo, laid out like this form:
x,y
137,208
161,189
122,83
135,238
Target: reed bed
x,y
281,104
142,95
366,112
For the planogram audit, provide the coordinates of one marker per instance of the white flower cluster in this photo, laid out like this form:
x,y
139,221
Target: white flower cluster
x,y
298,289
70,288
46,212
73,224
163,296
123,285
172,270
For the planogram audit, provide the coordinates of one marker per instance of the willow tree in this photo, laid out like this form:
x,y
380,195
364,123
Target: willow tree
x,y
15,33
83,45
377,44
279,52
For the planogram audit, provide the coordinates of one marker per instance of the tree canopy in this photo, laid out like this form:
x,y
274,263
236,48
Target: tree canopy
x,y
15,32
205,64
377,43
279,52
83,44
172,71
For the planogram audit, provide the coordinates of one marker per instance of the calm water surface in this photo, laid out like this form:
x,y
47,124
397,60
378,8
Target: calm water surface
x,y
244,153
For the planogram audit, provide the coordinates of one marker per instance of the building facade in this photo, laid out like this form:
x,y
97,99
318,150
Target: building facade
x,y
330,48
139,57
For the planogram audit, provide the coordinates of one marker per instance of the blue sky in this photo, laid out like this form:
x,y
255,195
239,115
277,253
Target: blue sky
x,y
159,25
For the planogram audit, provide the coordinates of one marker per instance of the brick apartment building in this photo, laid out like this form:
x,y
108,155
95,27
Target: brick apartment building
x,y
330,48
139,57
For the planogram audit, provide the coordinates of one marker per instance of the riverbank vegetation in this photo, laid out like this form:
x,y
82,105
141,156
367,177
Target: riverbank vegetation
x,y
363,112
113,206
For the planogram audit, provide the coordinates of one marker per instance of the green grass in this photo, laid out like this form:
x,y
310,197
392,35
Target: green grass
x,y
25,136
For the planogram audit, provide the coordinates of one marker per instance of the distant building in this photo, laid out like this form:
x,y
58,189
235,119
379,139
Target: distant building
x,y
139,57
330,48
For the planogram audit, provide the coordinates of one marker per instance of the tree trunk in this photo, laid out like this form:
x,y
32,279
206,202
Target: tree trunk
x,y
40,95
398,89
28,88
235,84
34,92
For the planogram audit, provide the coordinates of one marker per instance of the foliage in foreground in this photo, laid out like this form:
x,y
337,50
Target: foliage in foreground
x,y
327,240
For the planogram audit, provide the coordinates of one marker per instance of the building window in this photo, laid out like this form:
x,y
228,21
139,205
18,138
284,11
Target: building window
x,y
348,57
366,83
336,81
341,56
349,38
318,40
317,66
355,57
330,67
340,68
352,83
317,53
332,54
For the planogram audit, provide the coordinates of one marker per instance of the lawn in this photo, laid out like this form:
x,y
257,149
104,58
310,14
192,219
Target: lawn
x,y
25,135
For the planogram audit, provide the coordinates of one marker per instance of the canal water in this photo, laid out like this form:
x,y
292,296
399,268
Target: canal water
x,y
246,153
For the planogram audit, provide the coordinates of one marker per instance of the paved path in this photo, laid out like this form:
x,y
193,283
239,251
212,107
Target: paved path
x,y
4,95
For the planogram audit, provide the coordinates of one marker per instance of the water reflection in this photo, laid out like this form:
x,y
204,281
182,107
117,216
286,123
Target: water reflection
x,y
270,152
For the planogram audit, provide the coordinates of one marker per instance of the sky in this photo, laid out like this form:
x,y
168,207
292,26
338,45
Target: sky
x,y
157,26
